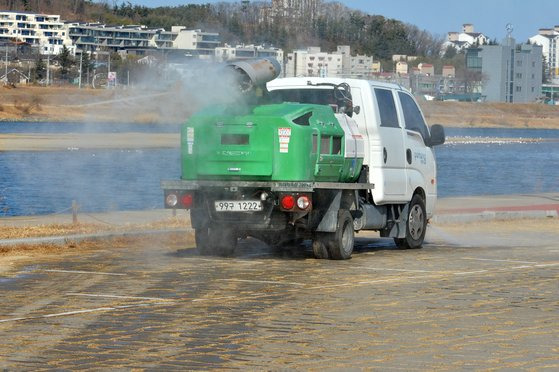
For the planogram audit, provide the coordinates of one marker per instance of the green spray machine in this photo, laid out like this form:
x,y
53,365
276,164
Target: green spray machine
x,y
268,142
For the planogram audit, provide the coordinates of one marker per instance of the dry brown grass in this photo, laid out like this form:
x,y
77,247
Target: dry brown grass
x,y
504,115
26,251
16,232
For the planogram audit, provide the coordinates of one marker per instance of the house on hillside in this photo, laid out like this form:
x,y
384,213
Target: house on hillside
x,y
465,39
426,69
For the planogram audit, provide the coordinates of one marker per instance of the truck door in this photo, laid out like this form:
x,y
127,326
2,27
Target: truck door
x,y
388,157
419,157
361,119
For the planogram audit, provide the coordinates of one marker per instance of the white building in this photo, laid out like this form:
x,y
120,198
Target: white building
x,y
548,38
198,42
138,39
465,39
44,31
313,62
227,52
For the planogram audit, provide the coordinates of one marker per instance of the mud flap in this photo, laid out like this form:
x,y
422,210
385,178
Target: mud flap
x,y
398,230
329,222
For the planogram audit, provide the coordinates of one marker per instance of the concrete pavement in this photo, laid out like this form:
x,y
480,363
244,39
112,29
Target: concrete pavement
x,y
496,207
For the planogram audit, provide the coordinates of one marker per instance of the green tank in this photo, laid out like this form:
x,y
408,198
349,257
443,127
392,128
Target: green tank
x,y
274,142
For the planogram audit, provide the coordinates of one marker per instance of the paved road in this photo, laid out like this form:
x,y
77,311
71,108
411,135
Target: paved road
x,y
490,302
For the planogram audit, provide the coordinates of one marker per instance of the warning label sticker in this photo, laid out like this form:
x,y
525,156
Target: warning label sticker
x,y
284,138
190,139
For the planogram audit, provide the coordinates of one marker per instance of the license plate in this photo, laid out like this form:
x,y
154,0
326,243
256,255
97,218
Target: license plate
x,y
238,206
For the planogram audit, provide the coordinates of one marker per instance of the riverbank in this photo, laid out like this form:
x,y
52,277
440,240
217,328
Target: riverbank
x,y
73,105
81,141
69,104
491,115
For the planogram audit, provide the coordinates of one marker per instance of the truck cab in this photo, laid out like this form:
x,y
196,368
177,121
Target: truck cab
x,y
398,143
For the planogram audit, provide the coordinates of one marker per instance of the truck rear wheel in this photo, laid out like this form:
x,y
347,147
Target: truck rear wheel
x,y
319,247
215,241
223,240
416,225
203,246
340,244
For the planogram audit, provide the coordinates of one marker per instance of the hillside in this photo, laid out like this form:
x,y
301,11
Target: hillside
x,y
325,24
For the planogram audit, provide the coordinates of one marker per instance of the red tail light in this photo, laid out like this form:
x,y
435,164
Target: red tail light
x,y
288,202
187,200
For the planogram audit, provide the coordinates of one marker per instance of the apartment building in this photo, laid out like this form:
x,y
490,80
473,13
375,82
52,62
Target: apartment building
x,y
548,39
314,62
139,40
93,37
43,31
513,72
227,52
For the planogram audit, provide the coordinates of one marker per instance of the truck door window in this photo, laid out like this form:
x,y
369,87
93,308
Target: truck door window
x,y
412,115
386,108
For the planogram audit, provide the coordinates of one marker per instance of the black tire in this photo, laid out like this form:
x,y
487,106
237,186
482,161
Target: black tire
x,y
416,225
223,240
203,246
340,244
319,247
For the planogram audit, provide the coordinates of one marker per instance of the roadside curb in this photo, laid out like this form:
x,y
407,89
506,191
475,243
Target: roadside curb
x,y
493,216
65,239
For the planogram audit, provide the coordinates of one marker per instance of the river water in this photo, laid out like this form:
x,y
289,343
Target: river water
x,y
480,162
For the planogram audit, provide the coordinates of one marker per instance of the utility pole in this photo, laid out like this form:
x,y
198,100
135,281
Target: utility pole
x,y
6,72
48,68
109,71
80,78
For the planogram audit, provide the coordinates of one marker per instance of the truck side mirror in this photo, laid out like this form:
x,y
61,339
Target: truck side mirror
x,y
437,135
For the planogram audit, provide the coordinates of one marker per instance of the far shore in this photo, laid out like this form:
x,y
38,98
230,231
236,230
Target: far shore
x,y
174,106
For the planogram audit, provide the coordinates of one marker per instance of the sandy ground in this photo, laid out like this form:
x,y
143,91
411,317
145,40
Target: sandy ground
x,y
74,142
175,105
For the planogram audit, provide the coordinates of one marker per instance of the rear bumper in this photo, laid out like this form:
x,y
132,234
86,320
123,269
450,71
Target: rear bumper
x,y
285,186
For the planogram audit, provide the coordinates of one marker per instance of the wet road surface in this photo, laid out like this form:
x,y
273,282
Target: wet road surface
x,y
156,304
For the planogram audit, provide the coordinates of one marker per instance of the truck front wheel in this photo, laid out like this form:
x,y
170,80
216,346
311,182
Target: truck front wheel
x,y
416,225
340,244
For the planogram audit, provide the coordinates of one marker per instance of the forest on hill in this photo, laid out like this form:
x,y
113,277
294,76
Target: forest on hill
x,y
327,25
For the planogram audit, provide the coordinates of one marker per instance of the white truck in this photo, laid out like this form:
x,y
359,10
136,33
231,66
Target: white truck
x,y
395,192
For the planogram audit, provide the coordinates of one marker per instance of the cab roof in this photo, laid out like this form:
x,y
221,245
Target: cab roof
x,y
302,82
